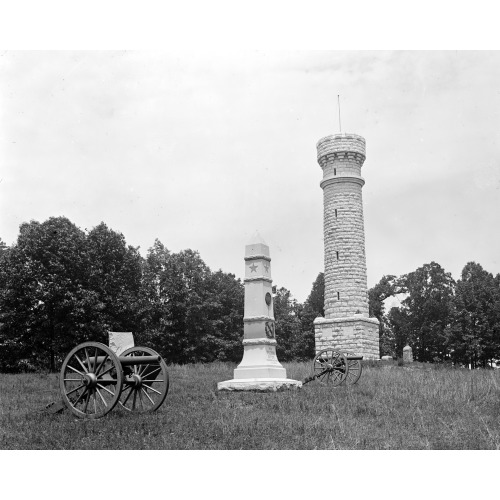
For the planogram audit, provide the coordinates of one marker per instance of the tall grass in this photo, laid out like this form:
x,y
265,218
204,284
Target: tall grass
x,y
391,407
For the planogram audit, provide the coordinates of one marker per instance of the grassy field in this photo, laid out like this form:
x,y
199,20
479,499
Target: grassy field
x,y
391,407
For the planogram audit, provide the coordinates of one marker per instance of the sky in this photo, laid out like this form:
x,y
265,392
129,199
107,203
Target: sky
x,y
201,149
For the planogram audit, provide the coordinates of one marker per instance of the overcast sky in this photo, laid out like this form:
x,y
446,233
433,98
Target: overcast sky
x,y
200,150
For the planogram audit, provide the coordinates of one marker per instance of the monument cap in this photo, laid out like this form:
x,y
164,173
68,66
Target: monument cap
x,y
256,246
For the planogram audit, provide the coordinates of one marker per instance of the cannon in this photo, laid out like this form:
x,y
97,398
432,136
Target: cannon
x,y
93,380
335,367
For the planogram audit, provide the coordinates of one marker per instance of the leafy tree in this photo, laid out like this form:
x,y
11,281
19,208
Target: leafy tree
x,y
388,286
314,306
154,312
221,318
192,314
475,334
289,333
316,299
396,332
44,300
115,278
3,247
426,312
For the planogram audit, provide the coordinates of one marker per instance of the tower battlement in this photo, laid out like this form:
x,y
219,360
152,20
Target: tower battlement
x,y
341,155
342,143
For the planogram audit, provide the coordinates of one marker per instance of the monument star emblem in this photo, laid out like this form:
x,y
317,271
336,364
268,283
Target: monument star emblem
x,y
253,268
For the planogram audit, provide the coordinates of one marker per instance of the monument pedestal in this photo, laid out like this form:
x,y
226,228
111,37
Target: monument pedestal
x,y
259,369
357,334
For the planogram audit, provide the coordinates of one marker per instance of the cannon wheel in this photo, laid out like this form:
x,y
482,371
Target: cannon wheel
x,y
145,386
91,380
334,362
355,369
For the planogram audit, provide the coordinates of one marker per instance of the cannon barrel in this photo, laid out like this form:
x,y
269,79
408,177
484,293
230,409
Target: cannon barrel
x,y
138,360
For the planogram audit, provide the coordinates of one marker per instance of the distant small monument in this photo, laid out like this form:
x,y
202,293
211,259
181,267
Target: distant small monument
x,y
259,369
407,354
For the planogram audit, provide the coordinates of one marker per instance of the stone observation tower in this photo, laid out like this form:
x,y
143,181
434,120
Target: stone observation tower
x,y
346,325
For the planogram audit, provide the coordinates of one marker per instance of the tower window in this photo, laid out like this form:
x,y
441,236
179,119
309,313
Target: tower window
x,y
337,256
338,295
335,213
334,171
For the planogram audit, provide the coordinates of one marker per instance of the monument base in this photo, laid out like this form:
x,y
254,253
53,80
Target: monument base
x,y
259,370
259,384
356,334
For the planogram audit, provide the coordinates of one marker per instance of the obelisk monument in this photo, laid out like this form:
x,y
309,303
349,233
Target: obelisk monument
x,y
346,325
259,369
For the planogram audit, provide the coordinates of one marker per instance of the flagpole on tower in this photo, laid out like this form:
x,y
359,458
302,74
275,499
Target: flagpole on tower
x,y
340,125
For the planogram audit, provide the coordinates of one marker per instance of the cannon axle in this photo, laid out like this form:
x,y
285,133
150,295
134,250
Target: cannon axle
x,y
94,362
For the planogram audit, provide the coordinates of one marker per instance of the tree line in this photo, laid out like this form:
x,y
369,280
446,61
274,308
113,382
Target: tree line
x,y
60,286
443,320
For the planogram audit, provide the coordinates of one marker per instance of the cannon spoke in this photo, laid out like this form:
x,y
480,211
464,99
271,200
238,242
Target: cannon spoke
x,y
80,397
135,397
74,390
90,361
89,366
151,389
101,365
156,370
81,364
86,402
336,375
106,371
106,389
103,400
144,370
126,399
147,395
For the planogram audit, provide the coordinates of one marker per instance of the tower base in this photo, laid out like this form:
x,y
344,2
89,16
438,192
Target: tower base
x,y
356,334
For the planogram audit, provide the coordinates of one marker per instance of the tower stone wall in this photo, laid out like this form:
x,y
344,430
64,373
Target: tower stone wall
x,y
346,324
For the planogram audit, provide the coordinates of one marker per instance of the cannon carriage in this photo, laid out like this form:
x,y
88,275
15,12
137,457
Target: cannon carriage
x,y
93,380
334,367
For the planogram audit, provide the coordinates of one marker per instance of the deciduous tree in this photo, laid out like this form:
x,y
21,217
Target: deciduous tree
x,y
44,298
426,312
474,336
